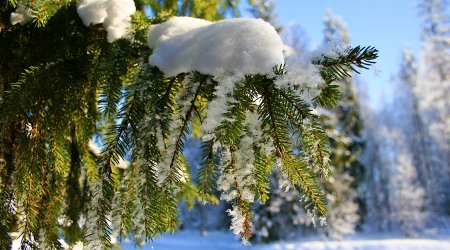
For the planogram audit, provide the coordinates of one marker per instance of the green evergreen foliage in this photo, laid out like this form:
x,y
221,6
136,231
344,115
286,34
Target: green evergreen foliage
x,y
62,84
207,175
331,145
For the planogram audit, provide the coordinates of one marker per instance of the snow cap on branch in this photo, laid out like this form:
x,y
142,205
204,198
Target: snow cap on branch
x,y
115,15
173,27
92,11
241,45
21,15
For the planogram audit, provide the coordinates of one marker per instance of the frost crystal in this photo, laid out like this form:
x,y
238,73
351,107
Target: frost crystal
x,y
115,15
241,45
303,78
93,234
237,182
237,221
332,49
165,168
218,105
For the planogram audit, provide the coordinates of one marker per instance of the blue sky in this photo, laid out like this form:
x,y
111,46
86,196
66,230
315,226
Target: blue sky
x,y
389,25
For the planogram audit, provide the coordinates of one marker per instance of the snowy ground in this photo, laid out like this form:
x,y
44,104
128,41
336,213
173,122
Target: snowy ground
x,y
192,240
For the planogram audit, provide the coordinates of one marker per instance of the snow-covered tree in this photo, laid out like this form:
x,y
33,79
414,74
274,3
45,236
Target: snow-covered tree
x,y
432,89
79,70
413,123
283,215
410,204
408,143
379,185
397,176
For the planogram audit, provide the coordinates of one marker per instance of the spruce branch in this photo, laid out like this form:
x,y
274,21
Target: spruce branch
x,y
229,131
7,196
340,67
52,203
207,176
329,96
30,193
124,203
274,120
165,107
297,110
315,147
14,96
240,201
113,68
335,69
118,143
263,168
174,166
150,205
170,212
247,228
305,180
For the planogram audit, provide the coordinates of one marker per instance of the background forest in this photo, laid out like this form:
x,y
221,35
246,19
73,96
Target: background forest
x,y
111,161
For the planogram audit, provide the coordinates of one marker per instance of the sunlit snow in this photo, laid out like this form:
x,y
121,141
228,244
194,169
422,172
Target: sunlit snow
x,y
241,45
115,15
191,240
21,15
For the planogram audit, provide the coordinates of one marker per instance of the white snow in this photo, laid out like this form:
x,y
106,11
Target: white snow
x,y
331,49
220,240
92,11
93,147
303,78
192,240
241,45
114,14
218,105
173,27
237,221
21,15
117,21
123,164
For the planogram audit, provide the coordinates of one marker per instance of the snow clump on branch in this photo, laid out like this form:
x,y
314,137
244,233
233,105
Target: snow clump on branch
x,y
115,15
230,49
241,45
21,16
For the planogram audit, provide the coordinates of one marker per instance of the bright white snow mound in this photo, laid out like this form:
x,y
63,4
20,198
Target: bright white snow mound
x,y
235,46
114,14
21,15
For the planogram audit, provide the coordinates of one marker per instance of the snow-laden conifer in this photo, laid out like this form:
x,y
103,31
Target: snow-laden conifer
x,y
94,85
